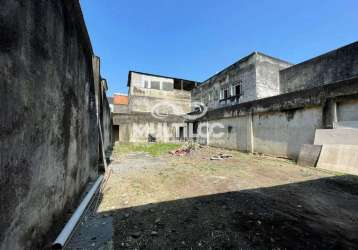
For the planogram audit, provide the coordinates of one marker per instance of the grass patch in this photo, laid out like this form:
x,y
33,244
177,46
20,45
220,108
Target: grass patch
x,y
153,149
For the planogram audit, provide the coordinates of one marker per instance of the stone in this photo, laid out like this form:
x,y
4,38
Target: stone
x,y
309,155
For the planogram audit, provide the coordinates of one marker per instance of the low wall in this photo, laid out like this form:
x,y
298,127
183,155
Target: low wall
x,y
48,123
279,125
138,127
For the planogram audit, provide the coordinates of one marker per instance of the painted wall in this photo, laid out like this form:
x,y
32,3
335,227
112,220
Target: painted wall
x,y
48,123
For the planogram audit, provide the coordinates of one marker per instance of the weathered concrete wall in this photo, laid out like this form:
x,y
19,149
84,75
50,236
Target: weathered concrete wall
x,y
48,126
280,125
143,99
337,65
283,133
258,75
137,127
347,111
233,130
268,76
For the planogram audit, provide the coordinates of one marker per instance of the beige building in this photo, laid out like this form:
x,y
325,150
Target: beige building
x,y
156,109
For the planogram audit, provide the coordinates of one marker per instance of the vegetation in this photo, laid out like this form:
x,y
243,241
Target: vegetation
x,y
153,149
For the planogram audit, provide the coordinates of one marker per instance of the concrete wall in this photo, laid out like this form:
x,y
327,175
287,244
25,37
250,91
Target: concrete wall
x,y
234,133
268,76
143,99
337,65
136,127
347,111
274,133
280,125
282,133
48,124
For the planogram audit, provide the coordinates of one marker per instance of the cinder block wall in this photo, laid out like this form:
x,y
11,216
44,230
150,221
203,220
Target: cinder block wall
x,y
48,127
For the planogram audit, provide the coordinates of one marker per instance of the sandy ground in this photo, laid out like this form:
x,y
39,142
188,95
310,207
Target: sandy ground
x,y
245,202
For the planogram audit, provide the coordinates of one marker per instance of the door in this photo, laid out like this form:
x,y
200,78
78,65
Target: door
x,y
181,133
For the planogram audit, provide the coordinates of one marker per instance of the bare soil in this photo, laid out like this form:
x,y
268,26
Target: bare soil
x,y
245,202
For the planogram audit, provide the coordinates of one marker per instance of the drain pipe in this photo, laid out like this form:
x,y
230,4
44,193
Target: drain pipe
x,y
71,224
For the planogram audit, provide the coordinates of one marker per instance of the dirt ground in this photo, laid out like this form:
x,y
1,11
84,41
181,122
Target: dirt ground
x,y
245,202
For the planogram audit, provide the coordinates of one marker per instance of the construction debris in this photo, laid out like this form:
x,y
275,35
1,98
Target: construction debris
x,y
186,149
180,152
220,157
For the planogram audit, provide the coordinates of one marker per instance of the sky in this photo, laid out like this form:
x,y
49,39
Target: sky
x,y
194,39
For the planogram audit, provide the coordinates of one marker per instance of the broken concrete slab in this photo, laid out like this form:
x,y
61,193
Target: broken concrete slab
x,y
336,136
309,155
339,158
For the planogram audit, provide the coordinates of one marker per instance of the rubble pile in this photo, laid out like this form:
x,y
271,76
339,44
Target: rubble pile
x,y
186,149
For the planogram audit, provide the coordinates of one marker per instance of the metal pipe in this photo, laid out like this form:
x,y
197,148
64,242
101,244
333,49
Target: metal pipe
x,y
71,224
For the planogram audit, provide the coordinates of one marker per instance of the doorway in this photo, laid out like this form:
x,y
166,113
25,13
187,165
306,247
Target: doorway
x,y
181,133
115,133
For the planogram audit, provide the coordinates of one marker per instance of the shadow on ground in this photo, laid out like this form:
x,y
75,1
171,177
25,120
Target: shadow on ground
x,y
319,214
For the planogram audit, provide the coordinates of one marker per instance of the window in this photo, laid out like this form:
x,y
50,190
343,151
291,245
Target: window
x,y
146,84
155,84
188,86
168,86
238,90
224,94
177,84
